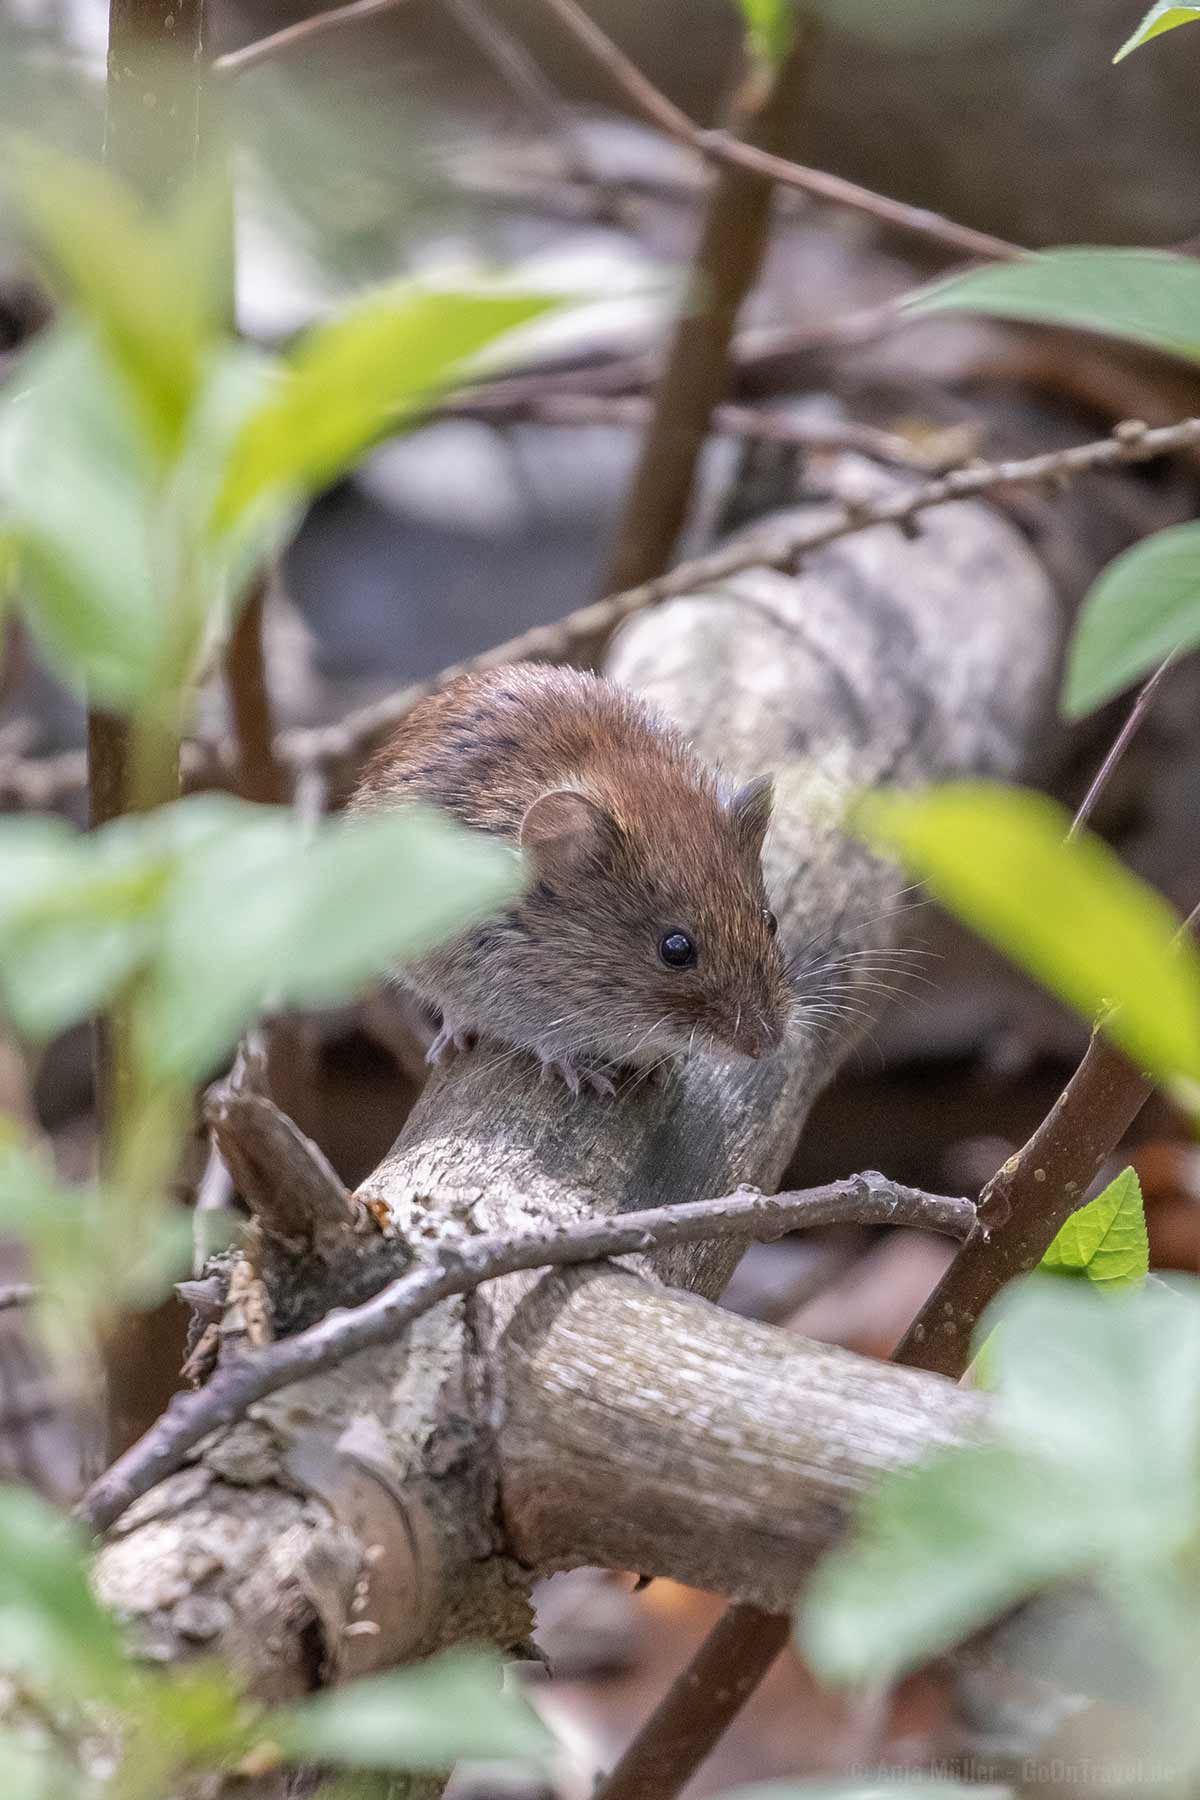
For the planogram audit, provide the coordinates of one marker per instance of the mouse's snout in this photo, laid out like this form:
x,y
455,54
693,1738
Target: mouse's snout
x,y
757,1038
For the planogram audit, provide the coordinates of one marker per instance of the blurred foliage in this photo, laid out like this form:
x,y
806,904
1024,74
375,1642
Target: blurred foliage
x,y
68,1658
149,462
1068,911
1162,17
1090,1477
771,24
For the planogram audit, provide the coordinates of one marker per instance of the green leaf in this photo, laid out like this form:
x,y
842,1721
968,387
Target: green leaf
x,y
1148,296
77,498
186,1718
264,912
1092,1471
151,290
770,27
937,1553
1105,1242
349,381
1144,606
77,918
1162,17
423,1718
51,1626
88,1254
121,582
1106,1239
221,907
1070,913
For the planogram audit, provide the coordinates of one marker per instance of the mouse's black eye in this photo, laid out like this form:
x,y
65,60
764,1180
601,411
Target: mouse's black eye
x,y
772,921
677,949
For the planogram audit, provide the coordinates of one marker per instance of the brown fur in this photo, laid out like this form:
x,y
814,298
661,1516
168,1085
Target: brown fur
x,y
573,971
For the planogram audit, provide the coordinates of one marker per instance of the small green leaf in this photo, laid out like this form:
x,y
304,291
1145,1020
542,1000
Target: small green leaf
x,y
1147,296
423,1718
1106,1239
51,1626
1070,913
1105,1242
1162,17
1144,606
349,381
150,289
770,27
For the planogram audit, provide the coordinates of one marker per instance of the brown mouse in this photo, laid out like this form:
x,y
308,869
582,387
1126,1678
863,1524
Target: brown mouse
x,y
645,930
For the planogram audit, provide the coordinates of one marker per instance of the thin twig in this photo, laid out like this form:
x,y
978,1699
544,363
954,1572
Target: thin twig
x,y
291,37
513,63
722,147
696,370
42,783
1124,738
715,146
749,424
461,1267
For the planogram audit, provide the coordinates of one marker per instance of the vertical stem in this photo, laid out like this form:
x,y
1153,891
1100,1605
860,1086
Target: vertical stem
x,y
259,774
152,135
156,70
696,375
152,138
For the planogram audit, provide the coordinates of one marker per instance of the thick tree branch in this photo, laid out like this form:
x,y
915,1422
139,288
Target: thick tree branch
x,y
863,1200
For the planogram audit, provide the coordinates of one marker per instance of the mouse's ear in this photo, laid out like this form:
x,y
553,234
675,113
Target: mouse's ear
x,y
565,830
751,809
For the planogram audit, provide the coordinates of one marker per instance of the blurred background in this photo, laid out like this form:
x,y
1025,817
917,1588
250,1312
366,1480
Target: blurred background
x,y
458,138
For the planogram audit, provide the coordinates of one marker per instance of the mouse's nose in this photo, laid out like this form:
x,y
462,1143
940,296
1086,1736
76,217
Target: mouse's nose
x,y
758,1037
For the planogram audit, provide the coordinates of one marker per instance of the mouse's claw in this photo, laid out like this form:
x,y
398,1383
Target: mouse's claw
x,y
451,1040
576,1078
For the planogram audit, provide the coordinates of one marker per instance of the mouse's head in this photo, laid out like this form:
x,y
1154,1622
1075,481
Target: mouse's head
x,y
651,915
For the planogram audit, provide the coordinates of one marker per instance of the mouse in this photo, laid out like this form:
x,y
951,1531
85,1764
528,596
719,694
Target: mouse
x,y
644,933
